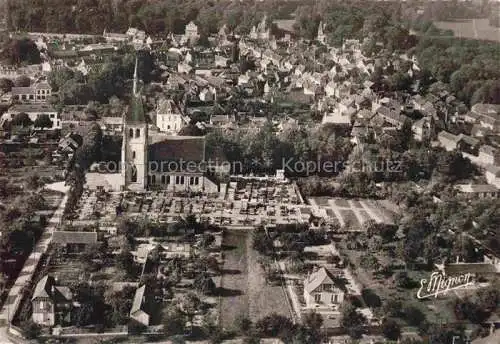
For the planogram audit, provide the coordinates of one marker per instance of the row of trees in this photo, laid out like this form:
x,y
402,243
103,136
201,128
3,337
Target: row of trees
x,y
266,150
156,17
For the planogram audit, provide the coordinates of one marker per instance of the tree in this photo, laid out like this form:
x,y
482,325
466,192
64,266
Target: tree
x,y
30,329
369,262
6,85
189,303
22,119
392,308
120,302
371,299
274,325
243,324
125,261
391,329
190,130
174,321
413,315
22,50
313,321
489,298
22,81
352,321
204,284
402,279
43,121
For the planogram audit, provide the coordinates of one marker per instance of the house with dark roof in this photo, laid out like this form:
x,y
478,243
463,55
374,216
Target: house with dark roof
x,y
74,241
322,288
37,93
51,303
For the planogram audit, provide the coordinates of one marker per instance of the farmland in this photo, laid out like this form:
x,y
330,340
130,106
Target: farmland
x,y
471,28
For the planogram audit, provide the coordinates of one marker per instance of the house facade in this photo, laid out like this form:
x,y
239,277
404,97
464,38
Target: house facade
x,y
34,111
321,289
51,303
37,93
169,117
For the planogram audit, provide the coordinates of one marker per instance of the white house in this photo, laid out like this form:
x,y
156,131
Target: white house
x,y
34,111
321,288
489,155
169,117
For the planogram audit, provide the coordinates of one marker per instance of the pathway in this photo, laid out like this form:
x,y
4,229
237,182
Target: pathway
x,y
15,295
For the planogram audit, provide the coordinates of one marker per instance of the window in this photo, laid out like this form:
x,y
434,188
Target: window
x,y
317,298
42,305
133,154
177,180
335,298
137,132
163,179
168,127
327,287
134,175
182,180
196,180
153,179
131,132
191,180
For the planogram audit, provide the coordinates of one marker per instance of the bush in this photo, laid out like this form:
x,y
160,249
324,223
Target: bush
x,y
135,327
391,329
371,299
30,329
274,325
413,315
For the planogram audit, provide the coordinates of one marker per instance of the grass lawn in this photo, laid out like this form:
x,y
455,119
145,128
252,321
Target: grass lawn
x,y
234,294
264,298
244,288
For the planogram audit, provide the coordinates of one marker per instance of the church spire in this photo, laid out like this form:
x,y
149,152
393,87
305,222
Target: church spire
x,y
135,77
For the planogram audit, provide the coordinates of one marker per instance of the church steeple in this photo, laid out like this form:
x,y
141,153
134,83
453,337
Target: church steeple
x,y
136,77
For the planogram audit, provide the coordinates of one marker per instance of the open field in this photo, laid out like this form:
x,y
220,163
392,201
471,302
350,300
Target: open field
x,y
245,291
264,298
472,28
355,212
234,300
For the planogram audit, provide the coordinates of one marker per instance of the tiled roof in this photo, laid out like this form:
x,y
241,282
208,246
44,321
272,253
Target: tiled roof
x,y
46,288
174,148
318,278
138,301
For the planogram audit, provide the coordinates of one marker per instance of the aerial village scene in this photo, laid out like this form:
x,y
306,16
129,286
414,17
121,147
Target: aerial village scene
x,y
261,171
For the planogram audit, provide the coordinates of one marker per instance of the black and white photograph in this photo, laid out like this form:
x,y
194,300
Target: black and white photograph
x,y
250,171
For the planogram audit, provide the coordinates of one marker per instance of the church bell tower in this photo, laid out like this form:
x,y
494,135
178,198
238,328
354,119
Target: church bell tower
x,y
134,166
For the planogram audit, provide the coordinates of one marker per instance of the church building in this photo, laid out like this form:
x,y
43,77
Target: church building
x,y
156,160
